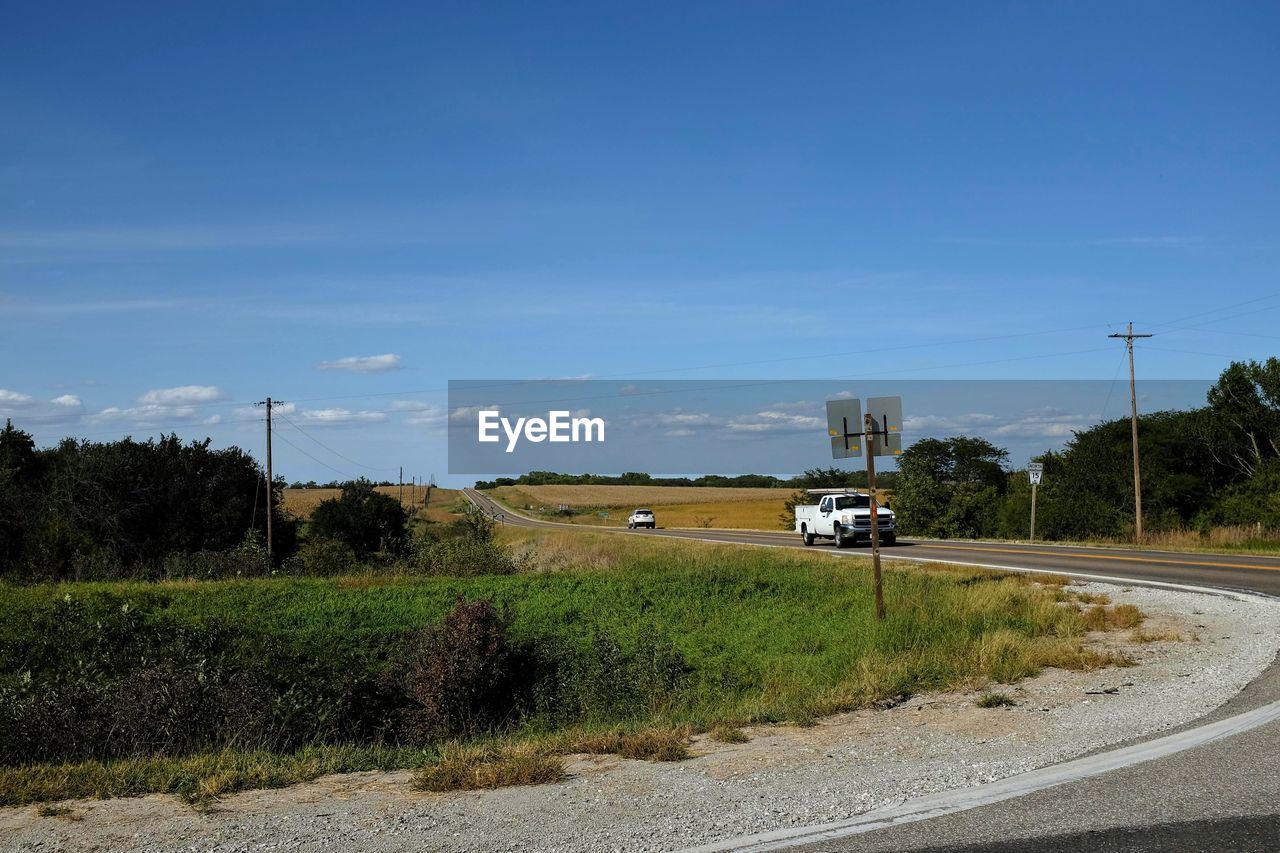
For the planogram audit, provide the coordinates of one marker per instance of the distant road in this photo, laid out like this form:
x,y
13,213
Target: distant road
x,y
1246,572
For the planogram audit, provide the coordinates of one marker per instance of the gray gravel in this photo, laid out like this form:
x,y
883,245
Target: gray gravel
x,y
783,777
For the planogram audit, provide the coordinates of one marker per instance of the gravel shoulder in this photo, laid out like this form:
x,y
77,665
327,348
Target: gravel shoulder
x,y
784,776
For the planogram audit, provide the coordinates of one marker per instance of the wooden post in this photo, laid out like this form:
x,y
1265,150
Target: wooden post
x,y
1033,513
869,430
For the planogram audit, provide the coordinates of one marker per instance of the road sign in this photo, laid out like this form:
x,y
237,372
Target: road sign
x,y
1035,471
844,428
886,418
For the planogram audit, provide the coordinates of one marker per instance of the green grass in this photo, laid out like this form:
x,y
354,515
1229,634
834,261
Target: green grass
x,y
995,700
764,635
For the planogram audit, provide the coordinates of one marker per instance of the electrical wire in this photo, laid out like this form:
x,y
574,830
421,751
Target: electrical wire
x,y
343,474
290,422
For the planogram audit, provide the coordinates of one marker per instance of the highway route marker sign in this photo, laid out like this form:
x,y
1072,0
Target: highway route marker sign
x,y
1035,470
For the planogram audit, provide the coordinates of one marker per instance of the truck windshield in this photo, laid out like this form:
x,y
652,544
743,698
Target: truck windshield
x,y
853,502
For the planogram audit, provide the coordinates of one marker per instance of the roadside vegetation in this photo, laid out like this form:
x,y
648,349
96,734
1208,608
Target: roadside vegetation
x,y
1210,477
509,652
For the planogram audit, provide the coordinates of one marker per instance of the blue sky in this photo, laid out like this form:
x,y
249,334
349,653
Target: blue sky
x,y
201,205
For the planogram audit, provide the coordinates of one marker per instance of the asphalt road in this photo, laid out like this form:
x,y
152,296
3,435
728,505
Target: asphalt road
x,y
1220,796
1243,573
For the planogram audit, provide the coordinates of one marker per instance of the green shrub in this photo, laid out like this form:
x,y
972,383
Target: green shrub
x,y
463,558
460,678
326,558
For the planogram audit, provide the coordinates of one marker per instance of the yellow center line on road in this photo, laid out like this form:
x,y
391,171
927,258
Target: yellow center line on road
x,y
1155,561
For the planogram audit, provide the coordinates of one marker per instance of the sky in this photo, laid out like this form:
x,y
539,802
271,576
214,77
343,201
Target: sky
x,y
345,206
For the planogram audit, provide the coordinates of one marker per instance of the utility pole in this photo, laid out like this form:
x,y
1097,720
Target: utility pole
x,y
869,427
1128,337
401,485
270,476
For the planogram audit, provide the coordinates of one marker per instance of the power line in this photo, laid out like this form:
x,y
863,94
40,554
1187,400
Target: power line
x,y
342,474
328,448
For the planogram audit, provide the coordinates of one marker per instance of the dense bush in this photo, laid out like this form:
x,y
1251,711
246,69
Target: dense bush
x,y
105,676
949,488
85,510
461,677
365,520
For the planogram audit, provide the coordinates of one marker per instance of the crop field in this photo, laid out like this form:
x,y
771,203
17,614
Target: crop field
x,y
302,502
632,496
213,686
675,506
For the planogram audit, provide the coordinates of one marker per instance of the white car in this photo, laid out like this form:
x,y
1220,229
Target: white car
x,y
642,518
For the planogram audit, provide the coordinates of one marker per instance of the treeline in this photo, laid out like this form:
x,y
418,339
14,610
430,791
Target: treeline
x,y
1213,466
86,509
816,478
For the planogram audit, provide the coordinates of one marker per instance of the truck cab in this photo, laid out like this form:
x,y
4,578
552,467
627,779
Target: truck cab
x,y
844,517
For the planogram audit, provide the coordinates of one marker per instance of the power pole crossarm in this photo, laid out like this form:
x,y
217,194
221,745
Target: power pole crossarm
x,y
1128,337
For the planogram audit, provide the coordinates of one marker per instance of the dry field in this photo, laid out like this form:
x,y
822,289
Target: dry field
x,y
633,496
302,502
675,506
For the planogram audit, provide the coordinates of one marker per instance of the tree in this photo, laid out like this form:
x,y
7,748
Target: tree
x,y
365,520
950,488
1243,430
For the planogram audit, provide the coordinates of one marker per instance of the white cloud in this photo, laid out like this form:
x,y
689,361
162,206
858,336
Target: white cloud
x,y
145,415
680,418
409,406
364,363
1040,423
771,420
26,409
339,417
183,395
680,433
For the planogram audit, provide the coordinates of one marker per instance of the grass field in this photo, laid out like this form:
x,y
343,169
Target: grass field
x,y
747,635
302,502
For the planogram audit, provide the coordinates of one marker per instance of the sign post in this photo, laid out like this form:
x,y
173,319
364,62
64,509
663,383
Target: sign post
x,y
882,432
1035,471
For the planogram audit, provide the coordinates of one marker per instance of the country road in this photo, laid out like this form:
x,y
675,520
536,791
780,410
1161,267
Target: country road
x,y
1246,573
1211,785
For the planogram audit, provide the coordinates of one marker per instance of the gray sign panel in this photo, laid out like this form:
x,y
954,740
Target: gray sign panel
x,y
886,418
844,428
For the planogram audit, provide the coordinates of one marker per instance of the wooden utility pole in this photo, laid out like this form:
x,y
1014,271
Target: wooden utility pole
x,y
270,475
401,493
1128,337
868,424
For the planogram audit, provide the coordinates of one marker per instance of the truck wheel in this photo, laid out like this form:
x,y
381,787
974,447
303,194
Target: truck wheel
x,y
841,542
890,538
806,536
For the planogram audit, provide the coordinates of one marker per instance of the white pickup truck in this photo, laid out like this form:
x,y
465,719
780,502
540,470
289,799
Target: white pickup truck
x,y
844,517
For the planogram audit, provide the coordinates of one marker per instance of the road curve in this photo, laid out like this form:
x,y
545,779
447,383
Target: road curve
x,y
1240,573
1223,794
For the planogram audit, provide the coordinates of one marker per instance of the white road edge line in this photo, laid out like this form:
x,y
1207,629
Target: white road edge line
x,y
948,802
